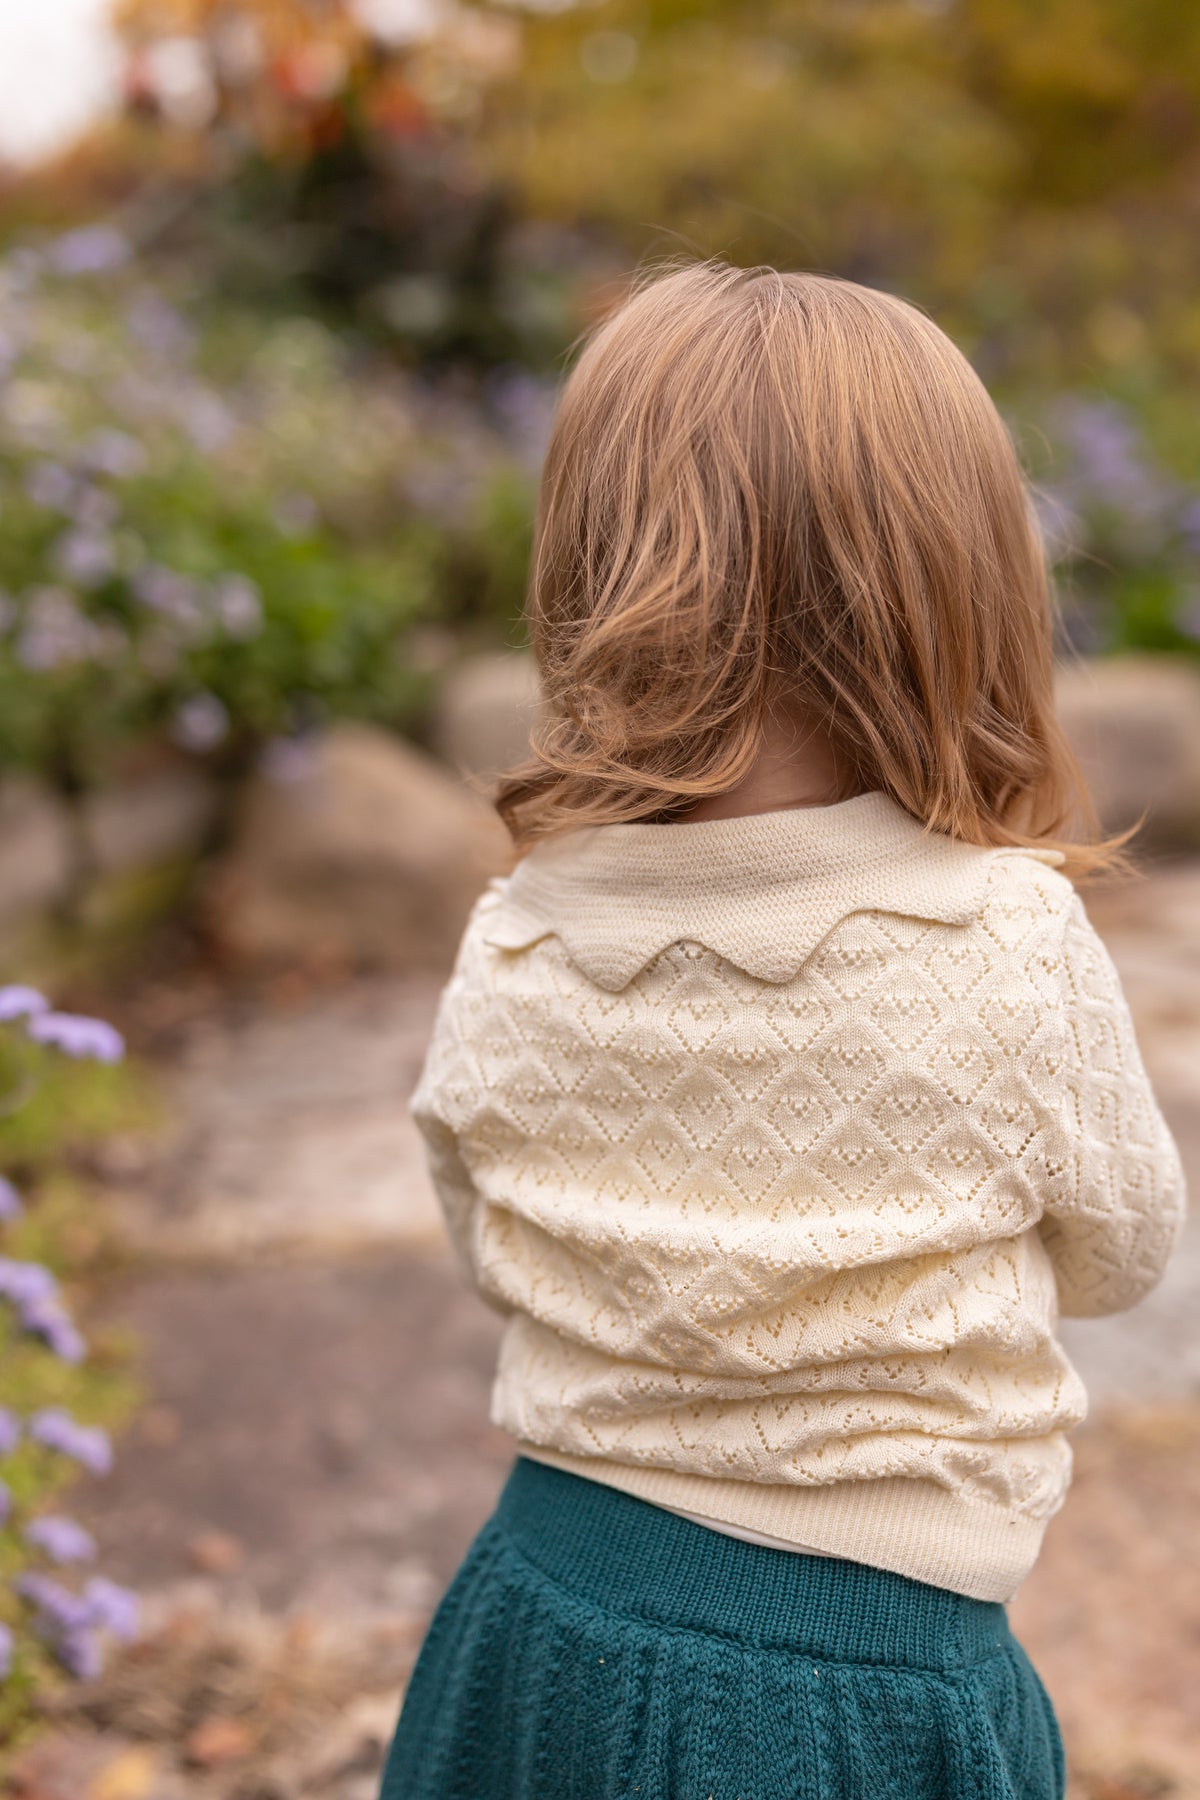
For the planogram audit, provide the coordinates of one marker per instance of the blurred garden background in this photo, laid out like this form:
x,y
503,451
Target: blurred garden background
x,y
286,291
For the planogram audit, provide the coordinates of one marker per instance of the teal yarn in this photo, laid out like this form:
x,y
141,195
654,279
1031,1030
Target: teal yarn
x,y
593,1646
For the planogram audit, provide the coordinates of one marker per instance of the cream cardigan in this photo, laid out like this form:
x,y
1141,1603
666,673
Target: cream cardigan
x,y
781,1142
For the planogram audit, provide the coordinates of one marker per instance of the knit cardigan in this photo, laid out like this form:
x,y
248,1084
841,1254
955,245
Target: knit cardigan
x,y
781,1143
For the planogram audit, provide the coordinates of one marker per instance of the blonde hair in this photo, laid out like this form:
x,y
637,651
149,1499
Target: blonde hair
x,y
765,487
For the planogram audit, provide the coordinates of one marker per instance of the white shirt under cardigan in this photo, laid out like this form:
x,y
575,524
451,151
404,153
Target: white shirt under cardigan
x,y
781,1143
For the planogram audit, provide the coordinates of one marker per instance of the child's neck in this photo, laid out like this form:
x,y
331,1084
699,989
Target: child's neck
x,y
796,767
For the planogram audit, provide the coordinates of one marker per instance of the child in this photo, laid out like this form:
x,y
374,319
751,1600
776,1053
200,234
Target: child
x,y
783,1097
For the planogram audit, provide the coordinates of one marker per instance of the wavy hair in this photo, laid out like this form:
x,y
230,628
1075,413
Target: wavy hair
x,y
769,488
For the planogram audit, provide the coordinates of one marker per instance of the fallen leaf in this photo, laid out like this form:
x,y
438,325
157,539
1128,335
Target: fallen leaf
x,y
218,1740
216,1553
131,1775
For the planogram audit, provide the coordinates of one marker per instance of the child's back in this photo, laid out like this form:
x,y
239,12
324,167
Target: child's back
x,y
781,1140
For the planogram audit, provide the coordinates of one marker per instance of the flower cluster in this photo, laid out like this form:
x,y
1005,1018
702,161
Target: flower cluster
x,y
1126,529
181,550
73,1623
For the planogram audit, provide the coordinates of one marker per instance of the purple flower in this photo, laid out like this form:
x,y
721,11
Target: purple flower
x,y
63,1540
21,1002
90,250
87,1445
10,1200
525,406
46,1319
78,1650
10,1430
72,1622
23,1282
111,1607
6,1652
51,486
176,597
95,509
58,1608
113,452
1112,470
159,327
208,421
78,1036
85,557
238,606
55,632
200,723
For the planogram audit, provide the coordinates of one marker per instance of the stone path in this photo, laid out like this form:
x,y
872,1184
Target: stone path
x,y
317,1455
329,1419
1152,929
290,1130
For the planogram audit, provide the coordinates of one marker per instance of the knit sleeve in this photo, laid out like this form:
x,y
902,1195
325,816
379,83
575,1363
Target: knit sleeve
x,y
1118,1194
437,1105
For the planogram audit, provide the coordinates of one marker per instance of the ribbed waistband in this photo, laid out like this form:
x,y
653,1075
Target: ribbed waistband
x,y
629,1556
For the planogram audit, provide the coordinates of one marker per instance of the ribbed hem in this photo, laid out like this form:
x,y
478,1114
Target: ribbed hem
x,y
619,1553
913,1528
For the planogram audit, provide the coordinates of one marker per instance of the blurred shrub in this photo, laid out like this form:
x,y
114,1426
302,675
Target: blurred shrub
x,y
450,175
1026,171
1121,530
332,164
216,526
1026,174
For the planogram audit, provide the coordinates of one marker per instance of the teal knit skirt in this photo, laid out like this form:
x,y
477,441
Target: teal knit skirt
x,y
592,1646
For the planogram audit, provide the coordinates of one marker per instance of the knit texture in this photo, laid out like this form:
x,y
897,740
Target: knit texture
x,y
592,1647
781,1143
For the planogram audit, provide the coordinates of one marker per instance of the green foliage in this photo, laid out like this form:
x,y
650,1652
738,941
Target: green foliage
x,y
1025,170
1122,527
66,1108
222,530
485,566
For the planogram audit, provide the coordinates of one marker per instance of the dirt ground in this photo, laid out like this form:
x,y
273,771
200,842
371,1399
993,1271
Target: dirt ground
x,y
316,1455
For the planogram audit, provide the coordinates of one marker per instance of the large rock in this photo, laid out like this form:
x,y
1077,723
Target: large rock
x,y
1134,722
363,852
485,710
35,868
152,818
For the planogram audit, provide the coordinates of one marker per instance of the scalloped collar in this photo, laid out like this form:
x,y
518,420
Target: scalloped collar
x,y
762,889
